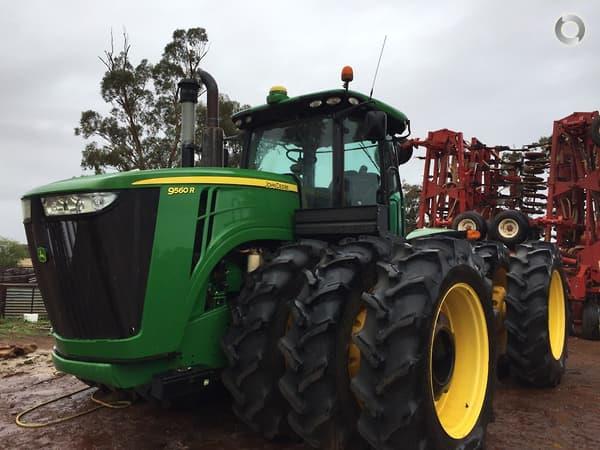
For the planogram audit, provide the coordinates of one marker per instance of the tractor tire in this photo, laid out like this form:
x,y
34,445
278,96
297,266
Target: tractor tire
x,y
422,386
537,314
595,131
318,346
590,320
260,316
470,220
509,227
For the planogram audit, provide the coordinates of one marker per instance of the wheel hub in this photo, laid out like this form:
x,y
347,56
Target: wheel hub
x,y
459,360
442,359
508,228
466,224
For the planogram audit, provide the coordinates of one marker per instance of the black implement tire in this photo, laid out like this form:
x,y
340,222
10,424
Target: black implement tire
x,y
595,131
470,220
509,227
537,314
395,383
590,320
259,318
317,346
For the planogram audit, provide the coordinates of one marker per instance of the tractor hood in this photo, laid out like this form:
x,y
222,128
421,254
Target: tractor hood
x,y
146,178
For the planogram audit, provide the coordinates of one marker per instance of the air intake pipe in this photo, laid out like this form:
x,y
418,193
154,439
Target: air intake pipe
x,y
212,154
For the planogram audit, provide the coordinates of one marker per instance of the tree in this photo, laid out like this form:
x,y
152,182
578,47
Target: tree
x,y
142,128
544,140
11,252
412,193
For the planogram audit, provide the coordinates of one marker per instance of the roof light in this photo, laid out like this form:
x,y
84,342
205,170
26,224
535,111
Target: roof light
x,y
277,94
315,103
347,74
331,101
248,119
353,100
238,123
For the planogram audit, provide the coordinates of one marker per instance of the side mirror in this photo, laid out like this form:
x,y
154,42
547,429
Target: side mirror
x,y
404,151
375,126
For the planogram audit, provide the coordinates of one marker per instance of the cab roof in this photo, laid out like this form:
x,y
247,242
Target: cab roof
x,y
290,108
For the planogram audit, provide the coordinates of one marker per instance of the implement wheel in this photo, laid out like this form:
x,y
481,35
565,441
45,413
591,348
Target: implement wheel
x,y
427,348
509,227
590,320
470,220
537,314
260,316
320,354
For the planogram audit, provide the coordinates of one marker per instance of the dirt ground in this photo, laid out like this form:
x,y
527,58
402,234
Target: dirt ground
x,y
567,417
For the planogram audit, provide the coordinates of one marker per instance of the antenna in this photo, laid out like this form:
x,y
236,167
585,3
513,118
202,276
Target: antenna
x,y
377,69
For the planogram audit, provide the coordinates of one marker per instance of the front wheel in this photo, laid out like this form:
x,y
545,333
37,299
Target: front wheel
x,y
427,350
260,316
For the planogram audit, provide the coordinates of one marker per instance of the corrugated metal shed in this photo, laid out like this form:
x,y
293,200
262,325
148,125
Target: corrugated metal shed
x,y
19,298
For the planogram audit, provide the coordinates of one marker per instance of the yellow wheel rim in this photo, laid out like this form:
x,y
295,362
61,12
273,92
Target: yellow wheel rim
x,y
556,315
459,360
353,350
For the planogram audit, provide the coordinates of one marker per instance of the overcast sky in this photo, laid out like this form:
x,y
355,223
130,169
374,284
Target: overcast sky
x,y
492,69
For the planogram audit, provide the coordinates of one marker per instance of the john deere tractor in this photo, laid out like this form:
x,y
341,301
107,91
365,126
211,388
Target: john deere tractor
x,y
291,280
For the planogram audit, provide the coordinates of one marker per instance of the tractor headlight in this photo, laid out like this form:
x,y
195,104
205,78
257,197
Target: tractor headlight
x,y
84,203
26,209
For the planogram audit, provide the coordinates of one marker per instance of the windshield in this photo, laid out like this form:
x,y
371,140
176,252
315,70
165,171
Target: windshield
x,y
302,148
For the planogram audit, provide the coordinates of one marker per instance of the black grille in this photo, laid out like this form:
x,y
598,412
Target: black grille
x,y
94,280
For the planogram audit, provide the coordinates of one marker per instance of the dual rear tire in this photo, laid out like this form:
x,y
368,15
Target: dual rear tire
x,y
388,344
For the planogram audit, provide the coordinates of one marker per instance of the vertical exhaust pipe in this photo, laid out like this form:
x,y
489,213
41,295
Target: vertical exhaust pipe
x,y
212,140
188,97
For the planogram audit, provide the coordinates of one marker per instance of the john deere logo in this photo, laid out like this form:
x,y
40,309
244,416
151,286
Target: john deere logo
x,y
42,255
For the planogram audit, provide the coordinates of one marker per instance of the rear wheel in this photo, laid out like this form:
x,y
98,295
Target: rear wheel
x,y
260,316
537,314
320,355
426,380
590,320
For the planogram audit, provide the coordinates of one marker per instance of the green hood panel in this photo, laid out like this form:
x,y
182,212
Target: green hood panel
x,y
191,175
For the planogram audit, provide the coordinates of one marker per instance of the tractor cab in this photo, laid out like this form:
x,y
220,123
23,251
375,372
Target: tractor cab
x,y
341,147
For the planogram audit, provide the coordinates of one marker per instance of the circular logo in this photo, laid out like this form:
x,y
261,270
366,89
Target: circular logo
x,y
562,37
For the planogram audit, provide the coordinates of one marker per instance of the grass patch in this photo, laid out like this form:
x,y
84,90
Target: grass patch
x,y
11,327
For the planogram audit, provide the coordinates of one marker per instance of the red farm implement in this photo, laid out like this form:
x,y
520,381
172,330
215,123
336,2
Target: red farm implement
x,y
512,195
573,212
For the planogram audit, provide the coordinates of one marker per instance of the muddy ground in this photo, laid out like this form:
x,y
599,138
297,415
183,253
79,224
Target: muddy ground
x,y
567,417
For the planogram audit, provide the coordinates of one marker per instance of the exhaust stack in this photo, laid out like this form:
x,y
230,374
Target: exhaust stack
x,y
212,142
188,97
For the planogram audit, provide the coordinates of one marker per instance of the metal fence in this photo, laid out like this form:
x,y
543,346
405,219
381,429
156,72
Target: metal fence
x,y
17,299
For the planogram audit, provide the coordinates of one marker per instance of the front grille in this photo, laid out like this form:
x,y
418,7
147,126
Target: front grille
x,y
94,280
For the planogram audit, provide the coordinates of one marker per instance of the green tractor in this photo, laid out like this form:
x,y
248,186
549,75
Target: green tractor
x,y
292,281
